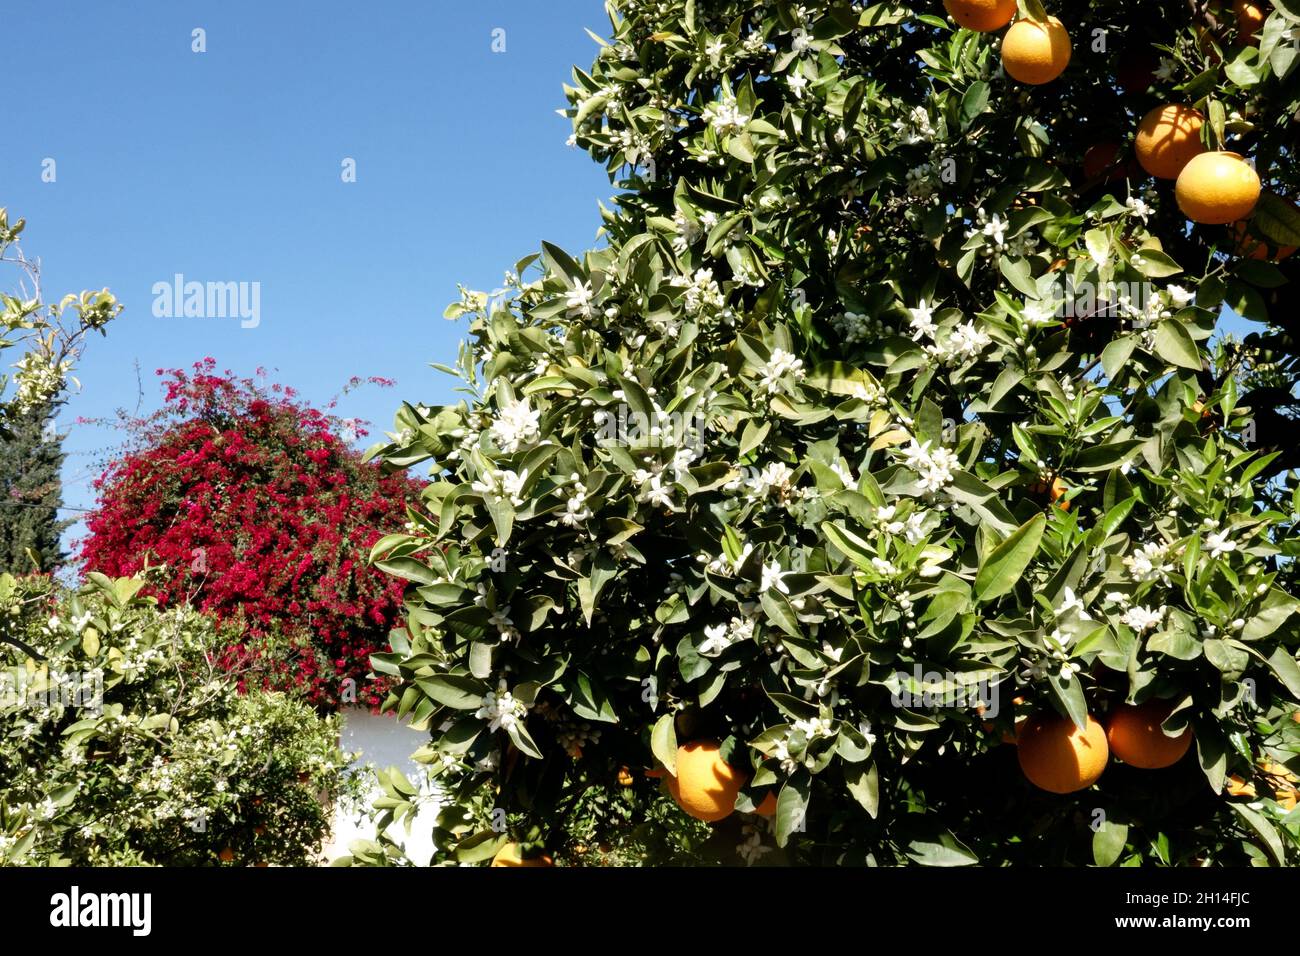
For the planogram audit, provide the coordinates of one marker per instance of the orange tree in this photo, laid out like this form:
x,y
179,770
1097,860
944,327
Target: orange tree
x,y
901,414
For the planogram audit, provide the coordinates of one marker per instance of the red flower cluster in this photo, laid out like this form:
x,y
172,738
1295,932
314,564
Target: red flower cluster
x,y
262,515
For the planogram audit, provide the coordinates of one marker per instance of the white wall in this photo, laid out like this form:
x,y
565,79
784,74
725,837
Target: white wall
x,y
384,742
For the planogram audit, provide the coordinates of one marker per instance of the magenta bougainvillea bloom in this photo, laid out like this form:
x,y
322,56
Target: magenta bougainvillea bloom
x,y
263,516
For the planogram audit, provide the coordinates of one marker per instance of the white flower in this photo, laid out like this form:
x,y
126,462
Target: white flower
x,y
996,228
702,290
912,530
576,512
1219,544
716,640
578,301
774,371
963,343
725,117
1071,602
751,848
815,727
781,751
721,636
797,83
658,494
922,320
1038,312
1138,207
515,426
1142,618
934,468
774,477
502,621
1148,562
502,484
688,232
884,568
501,709
1058,644
1179,296
800,41
772,575
1165,69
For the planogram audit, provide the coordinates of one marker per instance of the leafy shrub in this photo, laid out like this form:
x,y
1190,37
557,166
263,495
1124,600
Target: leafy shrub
x,y
262,514
123,743
811,427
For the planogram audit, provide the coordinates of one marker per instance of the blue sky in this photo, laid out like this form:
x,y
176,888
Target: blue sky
x,y
226,166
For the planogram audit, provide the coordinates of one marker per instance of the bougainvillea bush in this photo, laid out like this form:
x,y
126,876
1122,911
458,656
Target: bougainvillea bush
x,y
262,513
892,415
124,743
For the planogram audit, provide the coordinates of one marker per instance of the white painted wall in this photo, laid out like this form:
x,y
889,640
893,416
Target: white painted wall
x,y
383,742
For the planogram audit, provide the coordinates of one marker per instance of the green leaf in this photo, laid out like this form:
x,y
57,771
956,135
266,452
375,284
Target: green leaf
x,y
1006,564
1262,828
864,784
974,101
1154,264
791,809
1117,353
1277,220
1018,274
519,734
945,851
663,742
458,692
1283,664
408,569
1108,842
1174,344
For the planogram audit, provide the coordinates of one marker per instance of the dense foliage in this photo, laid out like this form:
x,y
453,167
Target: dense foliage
x,y
262,514
122,742
823,419
31,494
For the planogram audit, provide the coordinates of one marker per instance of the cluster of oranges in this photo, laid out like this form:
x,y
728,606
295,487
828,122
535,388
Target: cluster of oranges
x,y
1033,52
1060,757
1212,187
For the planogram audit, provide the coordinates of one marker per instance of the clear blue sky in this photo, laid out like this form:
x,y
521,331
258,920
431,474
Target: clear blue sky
x,y
225,166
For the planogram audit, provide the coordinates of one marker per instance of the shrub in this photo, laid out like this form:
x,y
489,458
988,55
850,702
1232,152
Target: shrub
x,y
123,743
818,460
262,515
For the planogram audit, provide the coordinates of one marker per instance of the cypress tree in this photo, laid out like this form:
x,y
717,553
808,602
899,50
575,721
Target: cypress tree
x,y
31,494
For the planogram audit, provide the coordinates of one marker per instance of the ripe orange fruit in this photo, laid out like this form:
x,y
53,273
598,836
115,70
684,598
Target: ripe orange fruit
x,y
1217,188
1057,756
1135,736
1253,247
1250,17
1055,492
706,786
1237,787
624,777
1034,52
768,807
227,855
981,15
1168,138
1246,245
510,855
